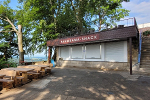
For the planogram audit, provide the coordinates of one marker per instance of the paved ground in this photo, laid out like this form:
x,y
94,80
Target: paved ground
x,y
83,84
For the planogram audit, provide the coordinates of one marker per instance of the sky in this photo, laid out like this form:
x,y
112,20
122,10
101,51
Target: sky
x,y
138,9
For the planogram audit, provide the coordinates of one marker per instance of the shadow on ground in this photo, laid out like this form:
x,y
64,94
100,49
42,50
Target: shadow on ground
x,y
77,84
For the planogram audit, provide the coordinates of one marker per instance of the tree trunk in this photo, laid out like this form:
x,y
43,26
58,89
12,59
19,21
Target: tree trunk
x,y
80,28
20,44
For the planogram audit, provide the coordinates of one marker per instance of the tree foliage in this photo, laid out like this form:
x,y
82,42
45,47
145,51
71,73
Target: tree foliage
x,y
9,30
43,20
8,43
107,12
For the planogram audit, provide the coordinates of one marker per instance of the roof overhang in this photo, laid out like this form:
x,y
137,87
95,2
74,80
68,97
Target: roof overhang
x,y
110,35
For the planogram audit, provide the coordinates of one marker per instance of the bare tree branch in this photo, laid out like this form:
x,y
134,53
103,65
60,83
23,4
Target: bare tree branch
x,y
13,26
3,19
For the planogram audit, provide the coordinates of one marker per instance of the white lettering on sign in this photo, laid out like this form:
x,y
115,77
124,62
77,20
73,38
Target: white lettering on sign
x,y
79,39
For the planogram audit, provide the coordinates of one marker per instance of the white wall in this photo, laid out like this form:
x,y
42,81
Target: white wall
x,y
112,51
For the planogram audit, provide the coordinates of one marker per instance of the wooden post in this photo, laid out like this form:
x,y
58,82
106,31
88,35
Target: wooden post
x,y
49,55
130,41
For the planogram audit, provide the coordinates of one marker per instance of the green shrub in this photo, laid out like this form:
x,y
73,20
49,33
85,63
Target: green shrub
x,y
6,64
12,64
146,33
3,63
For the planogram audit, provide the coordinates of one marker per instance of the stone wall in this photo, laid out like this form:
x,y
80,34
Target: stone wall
x,y
94,64
134,52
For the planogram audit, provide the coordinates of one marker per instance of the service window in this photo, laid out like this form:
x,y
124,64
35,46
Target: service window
x,y
77,52
93,51
64,52
114,51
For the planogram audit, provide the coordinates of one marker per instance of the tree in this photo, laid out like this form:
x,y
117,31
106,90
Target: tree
x,y
106,12
47,19
7,15
40,22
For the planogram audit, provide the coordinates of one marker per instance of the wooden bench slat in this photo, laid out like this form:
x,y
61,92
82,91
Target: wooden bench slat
x,y
7,81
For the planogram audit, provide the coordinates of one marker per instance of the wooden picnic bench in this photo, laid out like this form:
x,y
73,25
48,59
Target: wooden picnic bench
x,y
42,71
35,74
46,67
2,75
9,82
18,79
23,72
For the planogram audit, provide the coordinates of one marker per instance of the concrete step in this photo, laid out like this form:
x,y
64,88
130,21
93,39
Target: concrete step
x,y
145,63
145,56
145,70
146,47
145,60
145,50
145,44
145,41
144,66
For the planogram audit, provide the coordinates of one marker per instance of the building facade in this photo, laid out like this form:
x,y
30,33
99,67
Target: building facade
x,y
115,49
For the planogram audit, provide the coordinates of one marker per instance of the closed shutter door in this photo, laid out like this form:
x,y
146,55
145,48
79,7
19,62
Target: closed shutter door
x,y
64,52
93,51
76,52
114,51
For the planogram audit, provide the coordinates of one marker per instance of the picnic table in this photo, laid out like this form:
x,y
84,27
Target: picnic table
x,y
1,76
23,71
33,67
46,67
42,68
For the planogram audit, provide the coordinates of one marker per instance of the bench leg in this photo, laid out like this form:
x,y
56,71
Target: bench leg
x,y
7,85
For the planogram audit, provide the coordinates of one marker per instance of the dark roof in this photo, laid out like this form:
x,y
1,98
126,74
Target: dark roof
x,y
118,33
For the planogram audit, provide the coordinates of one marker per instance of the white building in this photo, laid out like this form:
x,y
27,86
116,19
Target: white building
x,y
113,49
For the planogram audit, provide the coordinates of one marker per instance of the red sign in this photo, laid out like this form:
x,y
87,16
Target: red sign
x,y
85,38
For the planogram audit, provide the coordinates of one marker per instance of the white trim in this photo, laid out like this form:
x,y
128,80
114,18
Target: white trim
x,y
102,52
125,52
